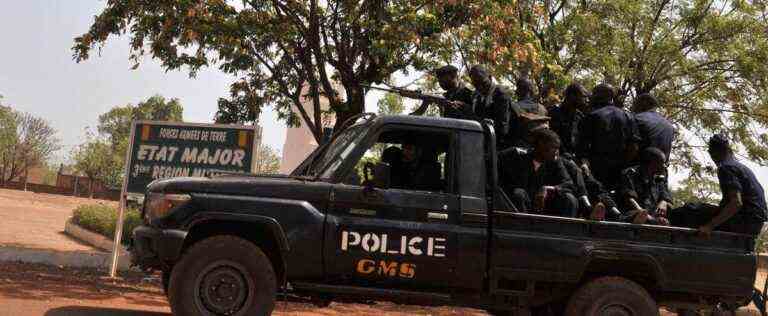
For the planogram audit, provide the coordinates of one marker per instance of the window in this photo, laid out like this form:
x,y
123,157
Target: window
x,y
419,160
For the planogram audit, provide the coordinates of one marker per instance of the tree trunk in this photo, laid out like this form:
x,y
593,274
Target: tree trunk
x,y
355,105
90,187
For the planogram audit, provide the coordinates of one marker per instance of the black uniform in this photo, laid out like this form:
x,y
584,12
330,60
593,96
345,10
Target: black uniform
x,y
521,182
497,105
460,93
648,191
733,176
655,131
566,125
603,139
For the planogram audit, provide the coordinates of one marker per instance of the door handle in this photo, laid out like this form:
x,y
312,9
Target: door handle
x,y
439,216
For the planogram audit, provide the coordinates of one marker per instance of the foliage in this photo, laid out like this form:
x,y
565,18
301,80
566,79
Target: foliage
x,y
706,61
285,52
697,188
761,242
25,142
116,124
96,159
267,160
102,219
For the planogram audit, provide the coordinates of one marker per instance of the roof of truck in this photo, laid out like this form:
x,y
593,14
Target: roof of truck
x,y
429,121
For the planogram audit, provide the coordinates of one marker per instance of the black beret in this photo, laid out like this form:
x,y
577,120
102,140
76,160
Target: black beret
x,y
719,141
652,154
446,70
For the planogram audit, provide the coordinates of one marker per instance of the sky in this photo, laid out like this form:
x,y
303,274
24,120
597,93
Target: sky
x,y
38,75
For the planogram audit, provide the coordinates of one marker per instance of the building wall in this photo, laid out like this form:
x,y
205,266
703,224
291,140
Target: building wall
x,y
299,141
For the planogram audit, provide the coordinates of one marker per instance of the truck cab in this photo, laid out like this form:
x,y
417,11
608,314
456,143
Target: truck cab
x,y
432,228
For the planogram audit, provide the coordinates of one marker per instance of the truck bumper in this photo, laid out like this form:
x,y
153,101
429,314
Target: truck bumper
x,y
155,248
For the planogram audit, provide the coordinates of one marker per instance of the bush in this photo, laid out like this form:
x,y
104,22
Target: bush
x,y
102,219
761,242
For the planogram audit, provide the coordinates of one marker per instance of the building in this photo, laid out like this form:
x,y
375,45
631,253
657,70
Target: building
x,y
299,141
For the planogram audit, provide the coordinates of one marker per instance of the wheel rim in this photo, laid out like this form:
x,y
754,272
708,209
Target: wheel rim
x,y
616,309
223,288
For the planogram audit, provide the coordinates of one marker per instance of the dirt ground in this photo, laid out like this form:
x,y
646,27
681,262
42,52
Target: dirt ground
x,y
36,290
35,220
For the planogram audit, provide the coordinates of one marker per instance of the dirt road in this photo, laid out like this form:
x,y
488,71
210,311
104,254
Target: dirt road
x,y
39,290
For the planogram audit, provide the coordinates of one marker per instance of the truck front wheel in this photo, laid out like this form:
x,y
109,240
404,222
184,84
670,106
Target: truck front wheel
x,y
223,275
611,296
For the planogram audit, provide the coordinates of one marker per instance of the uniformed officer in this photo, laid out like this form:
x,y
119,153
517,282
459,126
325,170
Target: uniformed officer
x,y
655,130
742,208
421,171
524,91
608,138
537,180
644,192
455,90
565,118
493,102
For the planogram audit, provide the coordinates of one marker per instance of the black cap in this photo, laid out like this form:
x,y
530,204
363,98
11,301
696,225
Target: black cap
x,y
719,141
480,70
446,70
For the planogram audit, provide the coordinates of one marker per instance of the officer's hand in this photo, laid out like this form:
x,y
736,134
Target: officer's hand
x,y
705,231
598,212
540,200
663,221
661,209
457,105
641,217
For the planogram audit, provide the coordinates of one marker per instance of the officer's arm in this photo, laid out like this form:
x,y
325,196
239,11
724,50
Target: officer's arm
x,y
584,140
503,114
729,210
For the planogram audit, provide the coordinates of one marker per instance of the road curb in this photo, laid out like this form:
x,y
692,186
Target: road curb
x,y
91,238
74,259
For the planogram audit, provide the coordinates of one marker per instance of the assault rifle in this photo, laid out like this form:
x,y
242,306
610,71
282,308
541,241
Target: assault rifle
x,y
418,95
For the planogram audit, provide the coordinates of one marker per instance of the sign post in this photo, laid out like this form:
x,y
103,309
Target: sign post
x,y
160,150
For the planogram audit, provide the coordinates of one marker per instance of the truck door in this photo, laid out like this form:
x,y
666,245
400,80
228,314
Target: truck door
x,y
403,236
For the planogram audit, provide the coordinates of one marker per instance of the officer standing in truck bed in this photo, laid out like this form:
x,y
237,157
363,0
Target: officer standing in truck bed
x,y
455,90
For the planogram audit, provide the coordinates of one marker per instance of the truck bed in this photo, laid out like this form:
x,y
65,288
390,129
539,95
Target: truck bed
x,y
671,259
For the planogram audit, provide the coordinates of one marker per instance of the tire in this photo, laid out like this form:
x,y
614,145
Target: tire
x,y
611,296
223,275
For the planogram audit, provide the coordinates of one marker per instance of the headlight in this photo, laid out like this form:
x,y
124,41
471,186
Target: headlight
x,y
159,204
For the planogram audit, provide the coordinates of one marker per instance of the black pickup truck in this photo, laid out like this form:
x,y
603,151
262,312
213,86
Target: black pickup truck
x,y
338,228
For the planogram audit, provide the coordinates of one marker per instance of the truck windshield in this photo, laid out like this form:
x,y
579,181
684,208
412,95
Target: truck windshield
x,y
326,164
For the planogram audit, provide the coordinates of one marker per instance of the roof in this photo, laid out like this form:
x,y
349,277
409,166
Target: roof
x,y
429,121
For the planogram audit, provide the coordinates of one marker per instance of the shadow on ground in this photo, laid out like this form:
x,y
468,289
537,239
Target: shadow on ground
x,y
41,282
98,311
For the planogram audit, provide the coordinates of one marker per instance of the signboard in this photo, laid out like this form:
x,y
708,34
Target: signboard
x,y
162,150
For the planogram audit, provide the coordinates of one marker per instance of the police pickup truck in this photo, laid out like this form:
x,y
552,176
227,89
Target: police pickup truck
x,y
338,228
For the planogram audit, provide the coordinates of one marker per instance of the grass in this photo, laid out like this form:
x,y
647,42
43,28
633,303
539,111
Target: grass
x,y
102,219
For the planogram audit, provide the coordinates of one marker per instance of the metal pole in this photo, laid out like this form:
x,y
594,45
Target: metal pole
x,y
121,214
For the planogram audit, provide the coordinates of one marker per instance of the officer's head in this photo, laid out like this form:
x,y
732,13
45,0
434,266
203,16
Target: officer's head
x,y
645,102
602,95
653,159
392,155
480,77
546,144
524,88
576,95
719,148
411,153
447,77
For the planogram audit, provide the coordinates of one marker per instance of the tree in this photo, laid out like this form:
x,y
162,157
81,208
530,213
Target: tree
x,y
267,160
696,188
96,159
705,60
116,124
27,141
279,47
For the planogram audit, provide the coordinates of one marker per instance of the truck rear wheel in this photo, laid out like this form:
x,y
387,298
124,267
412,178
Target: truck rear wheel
x,y
223,275
611,296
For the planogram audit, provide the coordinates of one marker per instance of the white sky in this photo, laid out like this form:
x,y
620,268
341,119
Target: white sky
x,y
38,75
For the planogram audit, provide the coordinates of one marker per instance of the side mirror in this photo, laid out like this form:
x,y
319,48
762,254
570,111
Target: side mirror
x,y
381,173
